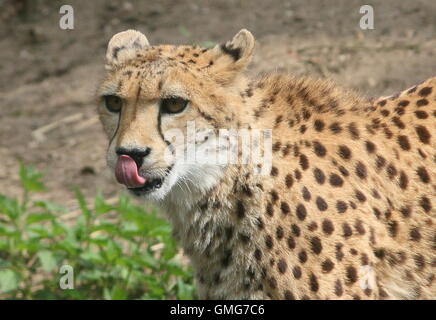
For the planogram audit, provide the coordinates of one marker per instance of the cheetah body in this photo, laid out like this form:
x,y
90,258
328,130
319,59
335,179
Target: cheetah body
x,y
347,210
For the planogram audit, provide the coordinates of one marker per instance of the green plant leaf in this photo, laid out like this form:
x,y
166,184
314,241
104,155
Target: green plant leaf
x,y
50,206
82,204
9,207
30,178
38,217
9,280
47,260
100,206
118,293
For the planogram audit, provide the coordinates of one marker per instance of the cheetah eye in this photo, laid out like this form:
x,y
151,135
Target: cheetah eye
x,y
173,105
113,103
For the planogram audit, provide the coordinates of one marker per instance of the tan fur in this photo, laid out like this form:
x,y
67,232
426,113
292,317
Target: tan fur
x,y
350,200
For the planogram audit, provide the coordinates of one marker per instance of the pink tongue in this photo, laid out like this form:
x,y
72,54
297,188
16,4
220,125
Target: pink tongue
x,y
126,172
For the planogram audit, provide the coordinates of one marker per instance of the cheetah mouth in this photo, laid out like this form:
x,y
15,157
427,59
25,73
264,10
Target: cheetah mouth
x,y
127,173
149,186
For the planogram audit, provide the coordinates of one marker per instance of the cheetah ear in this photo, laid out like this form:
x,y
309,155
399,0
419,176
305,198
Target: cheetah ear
x,y
232,57
123,47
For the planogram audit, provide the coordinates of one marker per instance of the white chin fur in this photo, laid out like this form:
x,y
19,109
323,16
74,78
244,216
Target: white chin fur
x,y
185,184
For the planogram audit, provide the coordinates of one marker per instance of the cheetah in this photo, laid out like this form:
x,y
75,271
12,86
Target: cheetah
x,y
346,209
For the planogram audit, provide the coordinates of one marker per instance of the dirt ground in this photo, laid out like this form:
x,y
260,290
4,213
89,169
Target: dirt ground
x,y
48,76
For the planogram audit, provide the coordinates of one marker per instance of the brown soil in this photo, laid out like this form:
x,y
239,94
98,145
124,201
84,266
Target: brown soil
x,y
48,76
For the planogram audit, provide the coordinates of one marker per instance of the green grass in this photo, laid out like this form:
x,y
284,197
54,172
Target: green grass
x,y
117,251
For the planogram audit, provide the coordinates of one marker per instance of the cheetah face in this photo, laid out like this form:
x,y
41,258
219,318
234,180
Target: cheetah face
x,y
159,103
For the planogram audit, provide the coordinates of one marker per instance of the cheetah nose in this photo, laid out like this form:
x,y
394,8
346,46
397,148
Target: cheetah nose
x,y
137,154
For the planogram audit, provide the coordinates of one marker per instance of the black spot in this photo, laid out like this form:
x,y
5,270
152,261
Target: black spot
x,y
347,231
361,170
304,162
335,180
319,149
423,174
295,230
421,102
400,124
319,125
335,128
327,265
393,228
341,206
343,171
406,211
359,227
403,103
338,288
351,274
380,162
240,209
354,132
404,181
302,256
423,134
269,241
306,194
425,204
274,172
327,226
297,174
258,254
421,114
260,224
344,152
284,206
282,266
425,91
296,271
370,147
403,141
316,245
270,209
419,261
291,243
319,176
321,204
289,295
391,171
360,196
415,235
301,212
279,233
274,196
339,253
225,261
313,281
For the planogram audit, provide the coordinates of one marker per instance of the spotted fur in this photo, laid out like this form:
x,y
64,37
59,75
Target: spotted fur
x,y
348,210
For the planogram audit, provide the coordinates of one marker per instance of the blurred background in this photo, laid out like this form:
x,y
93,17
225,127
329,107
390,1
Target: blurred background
x,y
48,76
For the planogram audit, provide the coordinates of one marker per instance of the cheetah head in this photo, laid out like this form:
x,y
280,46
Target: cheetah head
x,y
151,99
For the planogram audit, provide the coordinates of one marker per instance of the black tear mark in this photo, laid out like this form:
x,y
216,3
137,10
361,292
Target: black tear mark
x,y
234,52
159,129
116,130
116,51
